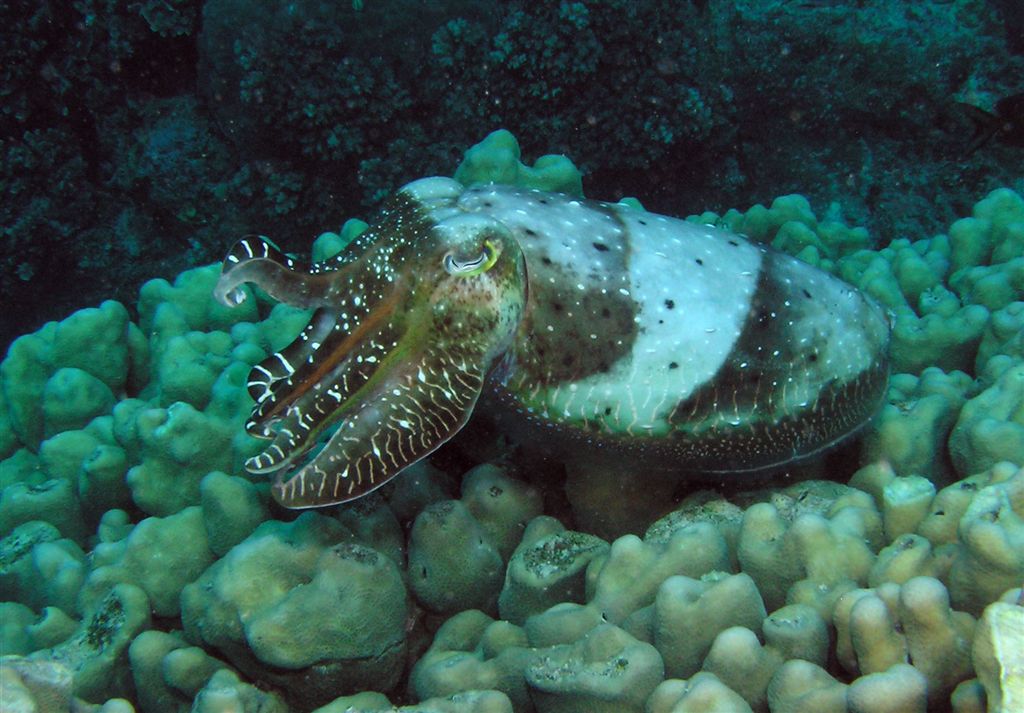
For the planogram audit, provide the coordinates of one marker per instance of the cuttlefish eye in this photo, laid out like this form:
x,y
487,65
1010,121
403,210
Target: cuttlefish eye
x,y
380,379
480,264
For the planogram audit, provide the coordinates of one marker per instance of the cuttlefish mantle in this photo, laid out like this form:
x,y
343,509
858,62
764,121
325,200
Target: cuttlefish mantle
x,y
608,326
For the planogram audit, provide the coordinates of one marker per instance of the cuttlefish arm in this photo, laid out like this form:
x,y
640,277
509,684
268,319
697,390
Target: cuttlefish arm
x,y
396,356
268,379
390,428
255,259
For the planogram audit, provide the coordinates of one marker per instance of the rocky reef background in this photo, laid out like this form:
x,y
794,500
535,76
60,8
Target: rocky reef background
x,y
139,138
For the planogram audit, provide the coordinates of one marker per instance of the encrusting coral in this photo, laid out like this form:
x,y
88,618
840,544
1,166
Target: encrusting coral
x,y
139,564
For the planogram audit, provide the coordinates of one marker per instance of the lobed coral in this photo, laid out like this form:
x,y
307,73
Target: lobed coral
x,y
141,569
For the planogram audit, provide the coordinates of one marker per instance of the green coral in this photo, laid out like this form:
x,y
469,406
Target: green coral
x,y
607,671
701,692
890,625
53,501
991,425
458,548
124,498
167,672
160,555
453,565
98,343
548,567
177,447
97,652
472,651
687,614
305,606
789,224
496,159
226,690
916,420
743,666
40,568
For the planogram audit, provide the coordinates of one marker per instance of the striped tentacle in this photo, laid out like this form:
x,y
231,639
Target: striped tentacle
x,y
404,420
318,395
275,375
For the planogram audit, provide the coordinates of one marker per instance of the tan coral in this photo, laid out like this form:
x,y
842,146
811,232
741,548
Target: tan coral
x,y
998,654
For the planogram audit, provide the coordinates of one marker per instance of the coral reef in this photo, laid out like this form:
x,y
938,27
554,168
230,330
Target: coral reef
x,y
141,569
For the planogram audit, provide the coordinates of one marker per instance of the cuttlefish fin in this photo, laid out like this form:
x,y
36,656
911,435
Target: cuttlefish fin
x,y
411,417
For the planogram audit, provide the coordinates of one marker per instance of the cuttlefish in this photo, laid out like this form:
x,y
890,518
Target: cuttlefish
x,y
592,325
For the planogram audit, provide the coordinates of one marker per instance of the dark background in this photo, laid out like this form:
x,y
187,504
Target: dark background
x,y
141,138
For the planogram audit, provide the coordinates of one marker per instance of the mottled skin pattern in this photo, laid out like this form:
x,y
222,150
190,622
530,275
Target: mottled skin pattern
x,y
676,343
